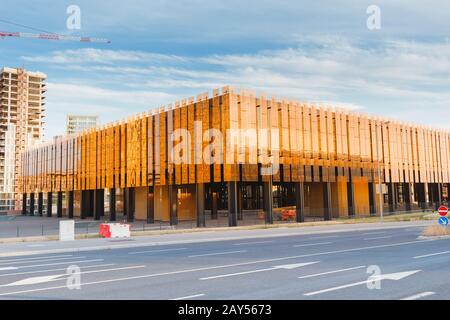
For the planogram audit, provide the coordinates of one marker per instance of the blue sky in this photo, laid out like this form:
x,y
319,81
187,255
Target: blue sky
x,y
163,51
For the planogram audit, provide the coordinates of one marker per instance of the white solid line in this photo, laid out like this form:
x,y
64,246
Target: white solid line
x,y
56,277
310,244
324,237
330,272
189,297
223,266
156,251
255,242
51,270
36,258
376,238
237,273
372,233
431,254
40,260
59,263
8,268
419,295
216,253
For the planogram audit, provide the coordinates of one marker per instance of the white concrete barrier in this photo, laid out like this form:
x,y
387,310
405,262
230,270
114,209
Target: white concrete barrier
x,y
115,230
66,230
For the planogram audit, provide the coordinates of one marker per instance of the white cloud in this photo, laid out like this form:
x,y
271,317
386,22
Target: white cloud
x,y
110,105
103,56
394,78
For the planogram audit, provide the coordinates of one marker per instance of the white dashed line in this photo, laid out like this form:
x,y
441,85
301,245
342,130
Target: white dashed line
x,y
216,253
189,297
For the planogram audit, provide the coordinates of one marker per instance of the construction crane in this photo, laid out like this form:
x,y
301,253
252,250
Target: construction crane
x,y
48,36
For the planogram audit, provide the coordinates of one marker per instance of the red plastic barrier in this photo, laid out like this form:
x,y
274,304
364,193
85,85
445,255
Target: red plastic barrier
x,y
104,230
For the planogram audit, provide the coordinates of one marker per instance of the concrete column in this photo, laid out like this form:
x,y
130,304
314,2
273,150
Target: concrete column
x,y
59,204
151,205
31,210
173,204
327,212
433,195
267,200
200,204
351,196
420,194
84,204
112,204
233,205
40,203
240,216
407,196
130,204
391,197
49,204
91,203
99,203
24,204
300,201
439,190
125,201
372,198
70,204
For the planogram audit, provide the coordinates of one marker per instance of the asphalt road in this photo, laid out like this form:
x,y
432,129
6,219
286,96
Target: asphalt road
x,y
263,264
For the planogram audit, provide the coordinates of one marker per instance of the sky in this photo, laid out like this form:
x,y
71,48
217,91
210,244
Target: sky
x,y
163,51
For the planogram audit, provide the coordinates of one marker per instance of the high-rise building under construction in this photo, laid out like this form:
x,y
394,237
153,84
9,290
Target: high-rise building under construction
x,y
21,121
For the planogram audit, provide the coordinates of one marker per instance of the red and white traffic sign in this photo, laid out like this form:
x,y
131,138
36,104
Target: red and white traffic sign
x,y
443,210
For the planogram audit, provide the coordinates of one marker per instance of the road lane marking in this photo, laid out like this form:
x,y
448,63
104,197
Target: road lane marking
x,y
34,280
431,254
59,263
330,272
376,238
40,260
390,276
56,277
189,297
287,267
156,251
254,242
221,266
36,245
372,233
50,270
36,258
419,295
324,237
8,268
311,244
216,253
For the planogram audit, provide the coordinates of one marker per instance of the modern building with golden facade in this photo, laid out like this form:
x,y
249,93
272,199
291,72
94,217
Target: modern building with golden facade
x,y
239,158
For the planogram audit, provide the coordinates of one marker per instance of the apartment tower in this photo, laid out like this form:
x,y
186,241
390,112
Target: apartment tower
x,y
21,121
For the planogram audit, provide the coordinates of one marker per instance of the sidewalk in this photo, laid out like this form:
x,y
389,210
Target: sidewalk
x,y
208,235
